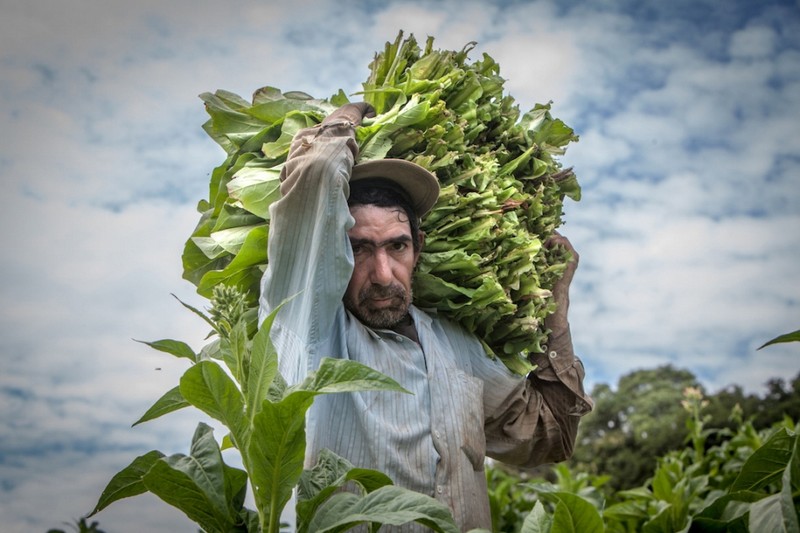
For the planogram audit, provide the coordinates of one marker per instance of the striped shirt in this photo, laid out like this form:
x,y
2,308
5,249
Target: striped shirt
x,y
464,406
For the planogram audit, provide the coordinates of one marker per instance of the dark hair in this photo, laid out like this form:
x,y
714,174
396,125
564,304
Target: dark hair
x,y
382,192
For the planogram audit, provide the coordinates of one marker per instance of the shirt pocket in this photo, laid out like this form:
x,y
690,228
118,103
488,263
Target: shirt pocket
x,y
470,395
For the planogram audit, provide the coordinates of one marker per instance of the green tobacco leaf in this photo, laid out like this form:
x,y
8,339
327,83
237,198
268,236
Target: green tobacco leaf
x,y
234,349
176,348
380,142
326,477
624,511
218,188
171,401
570,187
210,248
341,375
573,513
789,484
709,525
789,337
228,125
727,509
235,488
791,477
439,292
663,521
276,453
277,150
766,516
207,387
663,485
766,464
263,366
195,484
211,351
128,481
329,468
232,239
275,110
639,493
243,271
390,505
233,216
201,254
537,520
256,189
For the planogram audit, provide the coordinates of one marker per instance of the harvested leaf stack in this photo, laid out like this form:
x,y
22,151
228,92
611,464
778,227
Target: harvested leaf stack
x,y
502,189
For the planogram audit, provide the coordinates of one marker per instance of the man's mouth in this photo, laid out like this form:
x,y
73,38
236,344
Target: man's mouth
x,y
384,301
384,297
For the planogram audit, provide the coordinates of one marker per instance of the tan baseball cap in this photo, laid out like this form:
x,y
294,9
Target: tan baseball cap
x,y
419,184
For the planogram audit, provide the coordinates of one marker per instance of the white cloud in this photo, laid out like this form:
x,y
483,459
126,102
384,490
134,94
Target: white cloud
x,y
71,484
753,42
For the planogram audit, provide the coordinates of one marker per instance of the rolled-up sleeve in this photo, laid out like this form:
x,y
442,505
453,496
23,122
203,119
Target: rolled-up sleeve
x,y
534,420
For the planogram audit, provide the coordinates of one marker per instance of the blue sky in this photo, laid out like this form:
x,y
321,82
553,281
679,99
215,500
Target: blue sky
x,y
688,229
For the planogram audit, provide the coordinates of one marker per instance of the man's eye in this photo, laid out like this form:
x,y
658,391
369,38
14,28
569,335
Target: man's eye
x,y
399,246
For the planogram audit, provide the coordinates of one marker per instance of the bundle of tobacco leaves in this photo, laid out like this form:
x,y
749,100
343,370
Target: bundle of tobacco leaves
x,y
484,263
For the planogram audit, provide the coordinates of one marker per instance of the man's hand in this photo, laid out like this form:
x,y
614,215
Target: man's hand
x,y
353,113
346,115
558,323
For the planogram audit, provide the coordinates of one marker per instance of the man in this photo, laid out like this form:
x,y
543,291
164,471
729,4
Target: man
x,y
351,266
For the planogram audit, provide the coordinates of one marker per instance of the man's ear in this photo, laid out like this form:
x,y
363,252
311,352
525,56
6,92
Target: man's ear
x,y
421,236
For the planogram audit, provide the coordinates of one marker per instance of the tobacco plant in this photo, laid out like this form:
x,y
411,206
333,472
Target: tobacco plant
x,y
234,379
750,482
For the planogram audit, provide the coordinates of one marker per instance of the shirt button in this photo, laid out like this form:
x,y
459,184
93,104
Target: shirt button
x,y
399,338
439,489
553,354
438,435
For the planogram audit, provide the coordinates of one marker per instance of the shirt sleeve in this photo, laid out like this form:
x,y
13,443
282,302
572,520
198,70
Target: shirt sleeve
x,y
534,420
309,261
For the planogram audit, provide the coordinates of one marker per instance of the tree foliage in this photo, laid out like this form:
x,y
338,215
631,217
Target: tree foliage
x,y
643,418
749,482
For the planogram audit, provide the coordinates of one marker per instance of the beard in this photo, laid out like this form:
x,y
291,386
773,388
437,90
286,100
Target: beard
x,y
384,316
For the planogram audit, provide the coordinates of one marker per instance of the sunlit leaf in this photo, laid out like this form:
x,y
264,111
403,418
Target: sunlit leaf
x,y
573,513
196,483
537,520
263,366
256,189
171,401
767,463
207,387
173,347
326,477
128,482
341,375
389,505
788,337
276,452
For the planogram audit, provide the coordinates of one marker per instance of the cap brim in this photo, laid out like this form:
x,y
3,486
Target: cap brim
x,y
421,185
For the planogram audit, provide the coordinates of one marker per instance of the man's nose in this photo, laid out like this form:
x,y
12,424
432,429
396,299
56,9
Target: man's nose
x,y
381,268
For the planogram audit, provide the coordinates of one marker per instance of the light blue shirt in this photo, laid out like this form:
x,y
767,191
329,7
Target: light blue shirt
x,y
463,405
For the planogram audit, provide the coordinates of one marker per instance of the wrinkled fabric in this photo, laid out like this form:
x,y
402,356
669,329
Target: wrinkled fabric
x,y
463,405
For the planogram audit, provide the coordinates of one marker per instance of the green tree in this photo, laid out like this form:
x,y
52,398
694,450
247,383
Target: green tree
x,y
630,427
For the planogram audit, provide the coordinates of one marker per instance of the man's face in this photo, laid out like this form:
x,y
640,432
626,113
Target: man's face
x,y
379,292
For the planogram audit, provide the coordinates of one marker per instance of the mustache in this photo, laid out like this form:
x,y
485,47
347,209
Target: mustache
x,y
381,292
